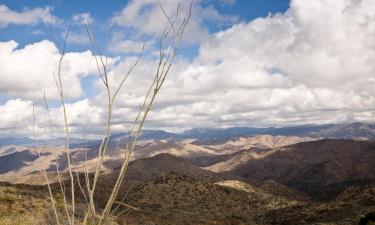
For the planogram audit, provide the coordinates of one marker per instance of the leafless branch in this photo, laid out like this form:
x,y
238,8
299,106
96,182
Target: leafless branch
x,y
53,202
59,84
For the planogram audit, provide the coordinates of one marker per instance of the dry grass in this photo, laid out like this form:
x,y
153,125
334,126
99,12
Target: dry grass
x,y
16,220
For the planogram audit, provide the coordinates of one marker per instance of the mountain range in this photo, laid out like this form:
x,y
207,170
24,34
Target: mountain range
x,y
295,175
166,189
210,135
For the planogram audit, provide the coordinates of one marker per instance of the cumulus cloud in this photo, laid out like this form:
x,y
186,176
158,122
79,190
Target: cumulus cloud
x,y
315,44
15,114
26,72
26,17
311,64
17,118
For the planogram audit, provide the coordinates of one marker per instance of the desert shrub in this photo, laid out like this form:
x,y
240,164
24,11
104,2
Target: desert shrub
x,y
59,201
6,199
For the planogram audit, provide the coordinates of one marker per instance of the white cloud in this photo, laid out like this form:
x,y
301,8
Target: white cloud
x,y
312,64
17,118
26,17
316,44
27,71
15,114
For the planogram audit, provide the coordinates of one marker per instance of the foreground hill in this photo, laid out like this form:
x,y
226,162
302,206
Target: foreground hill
x,y
180,199
350,207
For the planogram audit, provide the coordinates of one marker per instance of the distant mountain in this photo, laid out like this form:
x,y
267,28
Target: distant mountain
x,y
15,141
220,135
333,131
6,141
208,136
217,150
146,135
347,131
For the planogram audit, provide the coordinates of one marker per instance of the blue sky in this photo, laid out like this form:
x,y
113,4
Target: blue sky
x,y
102,11
241,63
105,9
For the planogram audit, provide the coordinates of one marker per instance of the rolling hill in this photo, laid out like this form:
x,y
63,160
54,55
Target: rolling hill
x,y
321,169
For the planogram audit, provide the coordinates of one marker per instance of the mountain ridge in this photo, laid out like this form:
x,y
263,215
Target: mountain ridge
x,y
217,135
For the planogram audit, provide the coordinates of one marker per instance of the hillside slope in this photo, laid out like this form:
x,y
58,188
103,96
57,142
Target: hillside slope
x,y
321,169
193,196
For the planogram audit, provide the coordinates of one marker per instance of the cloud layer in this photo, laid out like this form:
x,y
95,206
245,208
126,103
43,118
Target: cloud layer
x,y
312,64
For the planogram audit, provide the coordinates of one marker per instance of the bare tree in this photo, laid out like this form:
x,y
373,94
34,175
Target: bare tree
x,y
167,54
169,44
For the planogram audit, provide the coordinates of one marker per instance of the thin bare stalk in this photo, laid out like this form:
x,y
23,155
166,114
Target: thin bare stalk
x,y
113,213
60,88
80,186
52,145
87,177
62,188
127,206
53,202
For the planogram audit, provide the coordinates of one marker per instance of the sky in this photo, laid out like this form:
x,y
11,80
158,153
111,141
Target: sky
x,y
253,63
